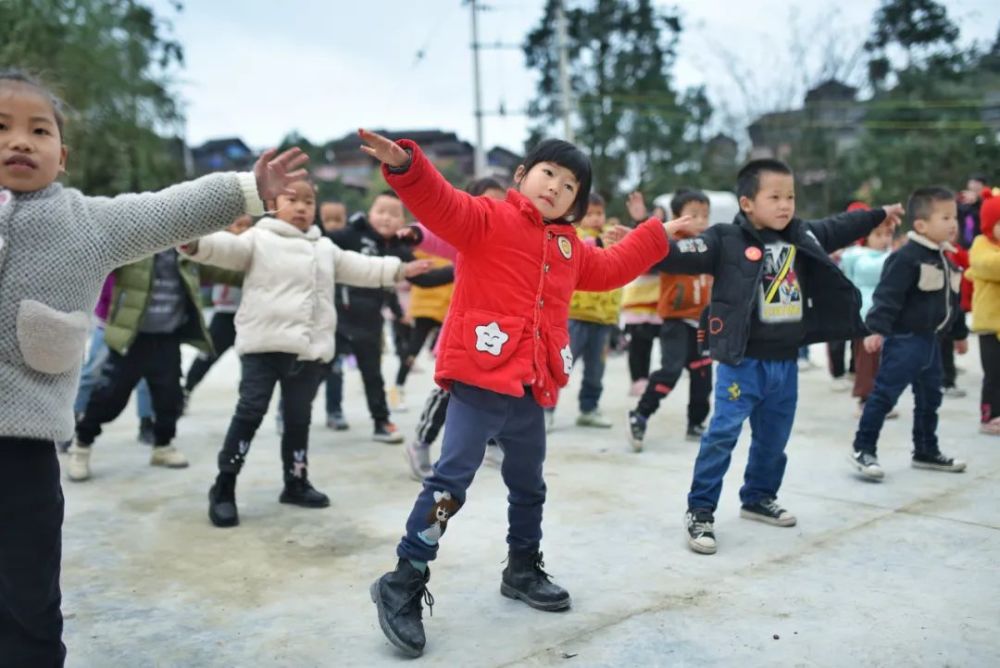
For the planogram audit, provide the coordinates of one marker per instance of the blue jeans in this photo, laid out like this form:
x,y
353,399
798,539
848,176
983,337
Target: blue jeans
x,y
766,391
588,341
91,373
474,416
907,359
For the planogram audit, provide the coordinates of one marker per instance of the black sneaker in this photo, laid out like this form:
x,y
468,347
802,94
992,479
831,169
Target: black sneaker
x,y
636,430
222,501
694,433
387,432
524,579
399,597
937,462
866,464
300,492
700,525
769,512
146,435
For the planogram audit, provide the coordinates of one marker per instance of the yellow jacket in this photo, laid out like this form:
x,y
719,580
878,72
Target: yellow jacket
x,y
984,270
597,307
431,302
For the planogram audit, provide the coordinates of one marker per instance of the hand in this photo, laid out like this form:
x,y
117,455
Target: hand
x,y
636,206
409,234
416,268
189,248
894,214
275,174
873,343
382,149
613,235
406,320
962,347
677,225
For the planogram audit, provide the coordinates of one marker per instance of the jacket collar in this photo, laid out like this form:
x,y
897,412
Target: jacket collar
x,y
927,243
529,210
743,222
283,229
50,190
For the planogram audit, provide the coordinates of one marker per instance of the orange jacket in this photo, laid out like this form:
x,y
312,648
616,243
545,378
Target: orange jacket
x,y
683,297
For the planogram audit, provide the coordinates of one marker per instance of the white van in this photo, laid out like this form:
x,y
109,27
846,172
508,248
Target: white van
x,y
723,205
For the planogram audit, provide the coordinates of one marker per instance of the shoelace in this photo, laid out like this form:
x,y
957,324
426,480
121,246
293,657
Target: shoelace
x,y
702,526
540,568
773,507
418,595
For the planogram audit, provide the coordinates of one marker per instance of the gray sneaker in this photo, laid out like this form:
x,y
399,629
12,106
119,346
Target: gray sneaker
x,y
866,464
418,456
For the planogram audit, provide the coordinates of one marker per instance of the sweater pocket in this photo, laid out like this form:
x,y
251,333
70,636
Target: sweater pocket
x,y
51,341
931,278
491,338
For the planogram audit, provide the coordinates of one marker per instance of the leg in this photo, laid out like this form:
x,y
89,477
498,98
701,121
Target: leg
x,y
144,401
119,376
260,372
523,439
162,371
640,347
947,352
422,328
368,350
433,416
222,331
674,352
298,389
699,368
31,517
896,371
927,400
989,355
97,353
771,425
335,379
835,355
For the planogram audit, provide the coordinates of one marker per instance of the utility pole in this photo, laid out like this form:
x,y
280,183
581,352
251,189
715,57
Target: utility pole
x,y
564,89
480,154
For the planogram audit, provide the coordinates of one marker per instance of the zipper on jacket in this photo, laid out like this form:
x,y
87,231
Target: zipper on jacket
x,y
947,291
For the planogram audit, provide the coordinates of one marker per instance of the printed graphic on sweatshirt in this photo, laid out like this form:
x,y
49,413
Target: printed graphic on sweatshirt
x,y
780,293
567,359
444,508
491,339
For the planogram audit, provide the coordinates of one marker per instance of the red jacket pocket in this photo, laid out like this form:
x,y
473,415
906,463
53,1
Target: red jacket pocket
x,y
491,338
560,356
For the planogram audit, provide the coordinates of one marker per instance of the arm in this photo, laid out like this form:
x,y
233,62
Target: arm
x,y
362,271
898,275
606,269
222,249
435,245
844,229
216,275
699,255
434,278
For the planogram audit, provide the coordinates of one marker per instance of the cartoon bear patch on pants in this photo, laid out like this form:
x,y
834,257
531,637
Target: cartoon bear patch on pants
x,y
444,508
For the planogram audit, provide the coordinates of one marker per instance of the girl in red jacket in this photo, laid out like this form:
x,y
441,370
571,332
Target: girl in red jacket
x,y
504,352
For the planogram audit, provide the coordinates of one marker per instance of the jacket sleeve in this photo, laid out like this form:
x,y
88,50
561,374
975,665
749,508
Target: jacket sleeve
x,y
606,269
225,250
211,275
984,262
460,219
435,245
898,275
699,255
434,278
844,229
959,329
362,271
131,227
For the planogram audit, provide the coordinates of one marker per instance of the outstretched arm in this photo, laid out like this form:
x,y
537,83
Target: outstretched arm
x,y
222,249
843,229
606,269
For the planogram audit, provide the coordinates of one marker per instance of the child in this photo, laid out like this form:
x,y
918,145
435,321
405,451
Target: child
x,y
284,334
640,302
57,246
682,300
984,270
333,216
504,353
775,289
958,256
915,303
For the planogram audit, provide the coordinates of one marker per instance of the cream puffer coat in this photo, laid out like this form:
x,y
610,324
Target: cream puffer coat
x,y
287,301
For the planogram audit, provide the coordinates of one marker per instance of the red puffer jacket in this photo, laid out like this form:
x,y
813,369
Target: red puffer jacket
x,y
514,277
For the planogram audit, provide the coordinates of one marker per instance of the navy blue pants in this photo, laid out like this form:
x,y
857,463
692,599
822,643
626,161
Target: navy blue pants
x,y
474,416
588,342
908,359
766,391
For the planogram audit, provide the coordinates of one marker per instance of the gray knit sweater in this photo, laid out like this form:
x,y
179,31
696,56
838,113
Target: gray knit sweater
x,y
56,248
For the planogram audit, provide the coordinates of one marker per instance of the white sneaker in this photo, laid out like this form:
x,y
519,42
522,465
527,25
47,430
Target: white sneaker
x,y
418,456
991,428
397,400
494,455
168,456
593,419
841,384
866,464
954,393
77,462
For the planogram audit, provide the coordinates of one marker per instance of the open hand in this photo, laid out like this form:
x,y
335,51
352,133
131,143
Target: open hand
x,y
681,224
613,235
382,149
409,234
275,174
894,214
417,267
962,347
636,206
873,343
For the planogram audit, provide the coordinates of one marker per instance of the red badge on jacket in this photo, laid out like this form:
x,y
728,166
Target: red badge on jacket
x,y
753,253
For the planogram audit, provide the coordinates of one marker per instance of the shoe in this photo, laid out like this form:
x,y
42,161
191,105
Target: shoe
x,y
418,456
399,597
867,465
701,530
841,384
336,421
62,447
769,512
593,419
636,430
78,462
937,462
694,433
524,579
494,455
891,415
550,421
168,456
146,435
222,501
397,399
991,428
954,392
300,492
638,387
387,432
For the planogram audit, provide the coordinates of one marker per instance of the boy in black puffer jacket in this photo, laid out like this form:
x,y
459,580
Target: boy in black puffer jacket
x,y
915,304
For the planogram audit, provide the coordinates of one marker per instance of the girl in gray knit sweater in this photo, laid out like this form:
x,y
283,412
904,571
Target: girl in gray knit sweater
x,y
56,247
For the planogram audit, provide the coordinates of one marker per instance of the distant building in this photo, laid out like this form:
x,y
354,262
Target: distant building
x,y
222,155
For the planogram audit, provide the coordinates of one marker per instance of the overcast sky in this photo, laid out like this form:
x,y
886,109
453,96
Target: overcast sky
x,y
260,68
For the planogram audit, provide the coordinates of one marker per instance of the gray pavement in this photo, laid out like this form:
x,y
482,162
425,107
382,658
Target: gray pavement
x,y
906,572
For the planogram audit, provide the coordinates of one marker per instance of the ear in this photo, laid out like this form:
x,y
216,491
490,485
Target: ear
x,y
519,174
920,225
63,155
745,203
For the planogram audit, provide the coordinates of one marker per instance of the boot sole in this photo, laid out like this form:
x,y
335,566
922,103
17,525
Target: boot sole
x,y
555,606
748,515
386,629
927,466
292,502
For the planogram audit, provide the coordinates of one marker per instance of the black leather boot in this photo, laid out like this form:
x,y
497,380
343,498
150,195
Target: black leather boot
x,y
222,501
300,492
524,579
399,597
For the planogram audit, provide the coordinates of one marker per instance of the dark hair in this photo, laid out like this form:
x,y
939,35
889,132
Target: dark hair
x,y
331,200
685,196
565,155
477,187
23,78
922,201
387,193
979,176
595,199
748,178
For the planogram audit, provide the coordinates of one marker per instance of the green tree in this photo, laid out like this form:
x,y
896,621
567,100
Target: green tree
x,y
111,61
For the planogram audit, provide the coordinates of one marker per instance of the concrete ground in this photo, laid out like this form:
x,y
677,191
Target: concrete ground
x,y
906,572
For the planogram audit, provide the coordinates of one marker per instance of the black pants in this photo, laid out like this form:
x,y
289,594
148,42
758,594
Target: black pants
x,y
949,374
421,330
989,355
367,349
155,357
223,332
679,346
299,382
433,415
31,517
836,352
640,348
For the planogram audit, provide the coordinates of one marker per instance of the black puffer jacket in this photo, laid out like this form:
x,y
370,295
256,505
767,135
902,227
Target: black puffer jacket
x,y
832,303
